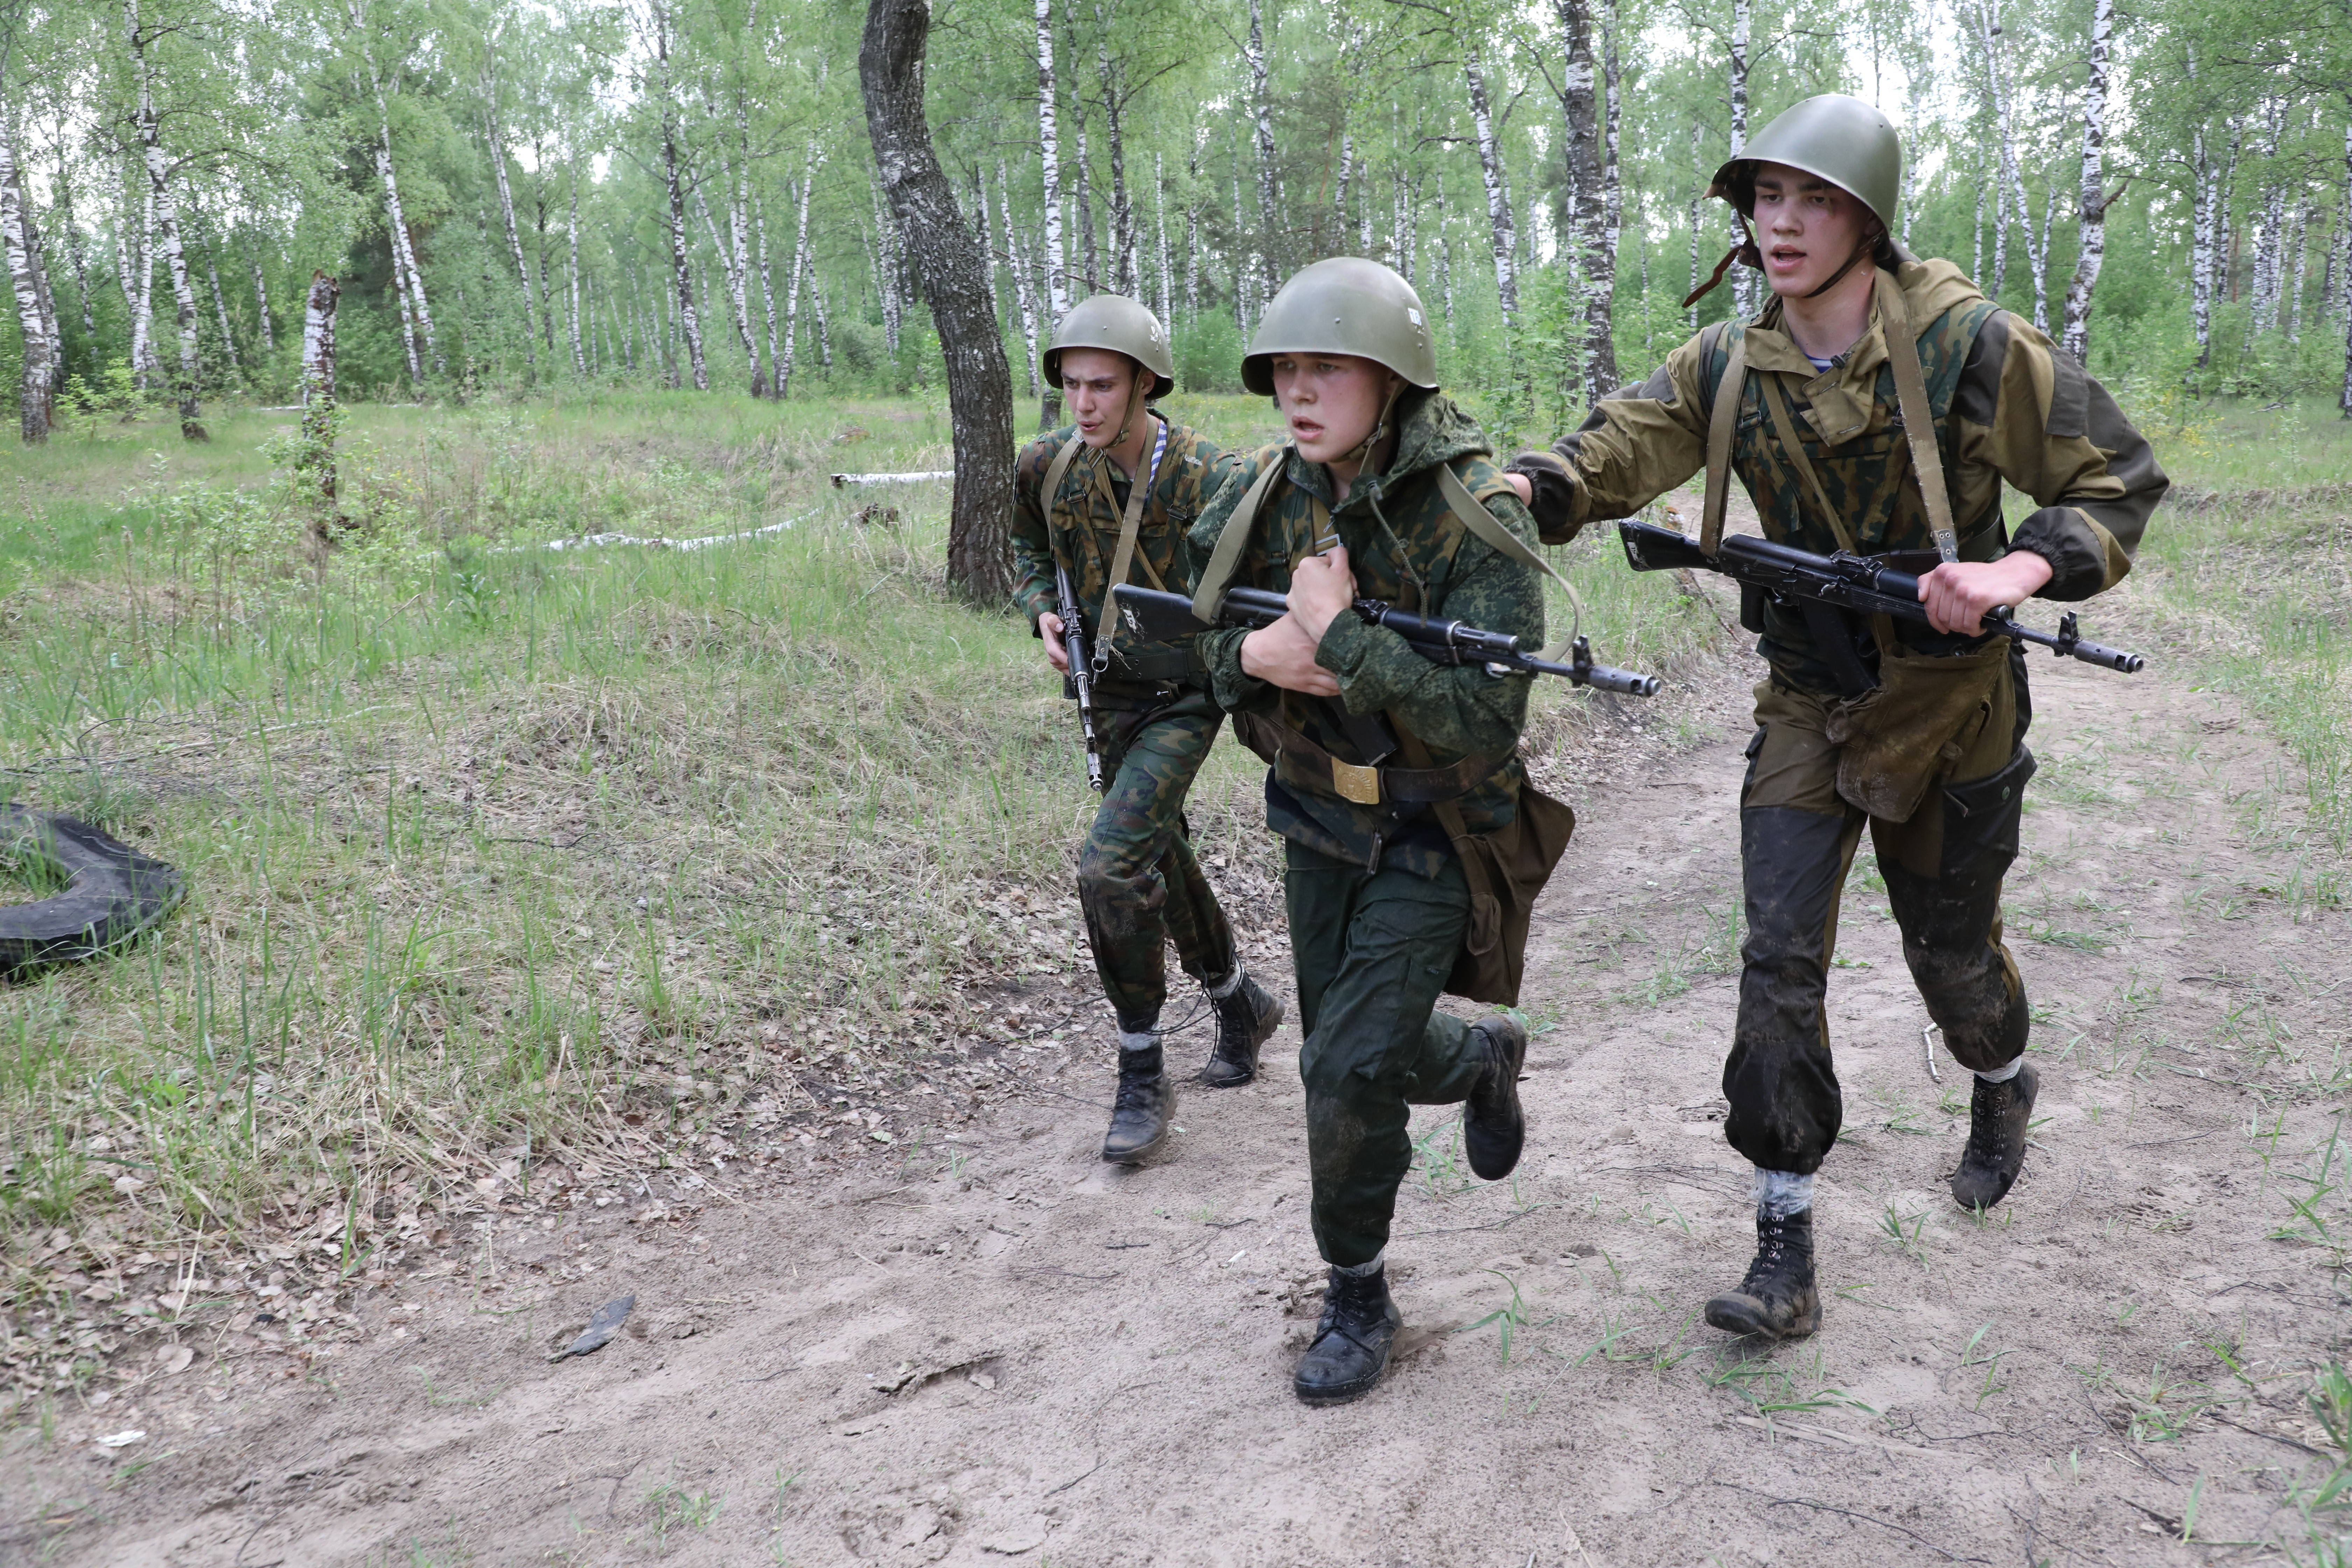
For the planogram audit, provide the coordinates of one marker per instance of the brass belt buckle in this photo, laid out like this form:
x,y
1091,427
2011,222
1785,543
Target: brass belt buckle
x,y
1355,782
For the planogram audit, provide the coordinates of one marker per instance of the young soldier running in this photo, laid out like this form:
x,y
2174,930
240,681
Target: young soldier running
x,y
1356,502
1078,505
1866,360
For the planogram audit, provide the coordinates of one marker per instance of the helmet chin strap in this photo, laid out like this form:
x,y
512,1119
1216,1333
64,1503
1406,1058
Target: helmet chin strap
x,y
1869,244
1363,451
1748,250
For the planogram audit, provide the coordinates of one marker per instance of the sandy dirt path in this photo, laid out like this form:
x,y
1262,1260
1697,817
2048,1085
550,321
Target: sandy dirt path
x,y
1009,1352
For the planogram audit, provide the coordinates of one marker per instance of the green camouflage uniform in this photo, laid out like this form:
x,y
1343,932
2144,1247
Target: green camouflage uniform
x,y
1138,882
2008,408
1376,901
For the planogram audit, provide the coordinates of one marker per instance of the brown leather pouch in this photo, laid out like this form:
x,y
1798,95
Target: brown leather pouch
x,y
1897,738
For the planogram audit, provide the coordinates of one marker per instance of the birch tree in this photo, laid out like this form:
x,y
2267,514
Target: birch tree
x,y
1261,111
1057,276
36,392
2091,229
165,217
658,29
1498,196
1591,164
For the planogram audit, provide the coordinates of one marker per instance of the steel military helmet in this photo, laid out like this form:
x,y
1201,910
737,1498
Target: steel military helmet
x,y
1837,138
1121,326
1345,305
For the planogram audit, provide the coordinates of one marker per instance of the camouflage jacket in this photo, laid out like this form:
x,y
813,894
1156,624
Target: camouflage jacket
x,y
1083,533
2008,405
1405,546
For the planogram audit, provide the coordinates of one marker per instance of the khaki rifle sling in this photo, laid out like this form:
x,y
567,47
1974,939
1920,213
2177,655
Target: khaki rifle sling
x,y
1233,538
1882,626
1122,556
1918,424
1473,515
1130,527
1720,429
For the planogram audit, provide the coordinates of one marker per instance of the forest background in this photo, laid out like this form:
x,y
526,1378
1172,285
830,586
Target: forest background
x,y
682,192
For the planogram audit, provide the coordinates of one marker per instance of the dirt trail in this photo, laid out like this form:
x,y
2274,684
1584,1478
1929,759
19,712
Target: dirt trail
x,y
1016,1355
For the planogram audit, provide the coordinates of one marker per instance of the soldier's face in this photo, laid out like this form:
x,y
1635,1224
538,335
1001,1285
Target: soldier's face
x,y
1805,226
1331,401
1096,383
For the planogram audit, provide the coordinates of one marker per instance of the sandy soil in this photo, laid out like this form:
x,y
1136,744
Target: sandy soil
x,y
999,1349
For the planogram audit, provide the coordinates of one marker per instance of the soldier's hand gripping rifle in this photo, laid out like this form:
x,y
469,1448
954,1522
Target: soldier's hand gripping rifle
x,y
1080,682
1867,584
1154,616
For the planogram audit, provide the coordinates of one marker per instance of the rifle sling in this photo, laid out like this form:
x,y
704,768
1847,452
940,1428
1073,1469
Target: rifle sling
x,y
1235,538
1722,425
1918,424
1473,515
1130,525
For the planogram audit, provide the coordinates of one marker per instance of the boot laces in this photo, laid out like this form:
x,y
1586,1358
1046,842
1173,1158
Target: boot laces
x,y
1136,1091
1773,1247
1984,1146
1350,1306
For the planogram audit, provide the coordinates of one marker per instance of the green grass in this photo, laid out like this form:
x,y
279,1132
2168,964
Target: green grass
x,y
498,854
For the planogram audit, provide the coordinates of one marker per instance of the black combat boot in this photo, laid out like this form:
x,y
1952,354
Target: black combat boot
x,y
1777,1299
1494,1128
1139,1113
1245,1017
1350,1349
1996,1152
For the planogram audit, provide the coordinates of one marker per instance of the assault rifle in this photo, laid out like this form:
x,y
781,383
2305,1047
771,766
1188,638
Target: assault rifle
x,y
1866,585
1080,680
1154,616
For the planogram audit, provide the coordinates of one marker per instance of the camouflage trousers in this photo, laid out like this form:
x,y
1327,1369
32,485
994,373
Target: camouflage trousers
x,y
1138,882
1943,870
1371,952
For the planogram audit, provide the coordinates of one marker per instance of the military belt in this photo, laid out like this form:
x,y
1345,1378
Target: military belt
x,y
1299,761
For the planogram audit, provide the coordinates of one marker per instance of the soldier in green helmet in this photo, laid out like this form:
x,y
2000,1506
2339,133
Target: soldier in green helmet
x,y
1878,404
1108,498
1392,777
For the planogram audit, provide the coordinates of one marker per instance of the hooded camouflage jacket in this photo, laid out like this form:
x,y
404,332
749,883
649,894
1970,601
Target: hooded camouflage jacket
x,y
1404,546
1083,533
2008,405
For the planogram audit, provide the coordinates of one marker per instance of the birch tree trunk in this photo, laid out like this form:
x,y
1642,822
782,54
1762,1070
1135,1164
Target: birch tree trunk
x,y
767,297
1057,274
2090,233
572,237
1124,273
514,237
2344,396
1024,294
1743,18
886,273
220,307
793,287
1083,180
732,268
166,225
1160,226
816,309
1264,113
1613,181
142,300
1592,263
1499,198
404,249
36,395
689,319
75,251
2268,245
2005,178
319,387
261,308
949,262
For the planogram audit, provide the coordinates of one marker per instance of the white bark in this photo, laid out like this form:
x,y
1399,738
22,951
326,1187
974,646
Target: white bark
x,y
1743,20
1192,233
1159,225
689,317
2090,233
319,383
1057,274
572,236
506,210
1499,198
1126,273
1024,293
166,222
792,286
261,308
37,399
2269,247
220,306
2004,176
416,312
1591,170
1261,109
767,290
886,272
731,271
143,361
2344,398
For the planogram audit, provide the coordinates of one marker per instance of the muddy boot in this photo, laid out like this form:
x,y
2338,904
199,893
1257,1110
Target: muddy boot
x,y
1139,1112
1777,1299
1245,1017
1350,1349
1494,1128
1996,1152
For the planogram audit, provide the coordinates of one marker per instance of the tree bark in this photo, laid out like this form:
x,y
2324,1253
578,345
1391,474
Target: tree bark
x,y
1498,199
767,296
1743,20
1263,110
734,270
1160,226
514,236
166,225
572,237
1024,293
1123,269
1592,270
1083,182
800,269
886,273
2344,398
689,319
949,263
1057,275
410,278
261,308
2091,234
2005,179
319,384
2270,247
37,398
141,299
74,249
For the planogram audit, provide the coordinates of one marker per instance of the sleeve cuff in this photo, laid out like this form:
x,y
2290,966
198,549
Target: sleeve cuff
x,y
1553,499
2081,554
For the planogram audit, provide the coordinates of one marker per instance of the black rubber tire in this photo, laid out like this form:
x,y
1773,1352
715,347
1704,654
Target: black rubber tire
x,y
112,891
